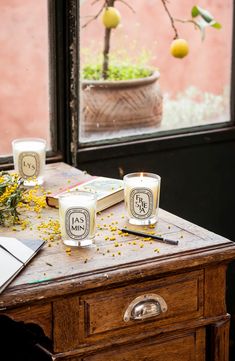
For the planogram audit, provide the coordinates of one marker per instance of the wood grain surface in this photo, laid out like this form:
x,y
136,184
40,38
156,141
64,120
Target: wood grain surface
x,y
108,259
79,297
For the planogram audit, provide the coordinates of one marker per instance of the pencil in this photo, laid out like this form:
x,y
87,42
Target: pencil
x,y
158,238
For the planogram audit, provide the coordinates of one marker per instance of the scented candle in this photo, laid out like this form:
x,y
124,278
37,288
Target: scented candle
x,y
142,191
29,159
77,213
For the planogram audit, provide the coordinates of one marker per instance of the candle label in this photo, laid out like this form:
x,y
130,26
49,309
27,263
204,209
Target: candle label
x,y
29,164
77,223
141,202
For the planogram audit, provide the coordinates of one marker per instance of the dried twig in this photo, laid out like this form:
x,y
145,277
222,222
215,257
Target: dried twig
x,y
128,5
188,21
107,36
171,18
95,16
95,1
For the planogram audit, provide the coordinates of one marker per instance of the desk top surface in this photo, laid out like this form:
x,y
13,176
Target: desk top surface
x,y
55,271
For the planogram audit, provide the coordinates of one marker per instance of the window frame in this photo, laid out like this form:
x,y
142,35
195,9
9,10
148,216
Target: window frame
x,y
59,129
179,138
64,103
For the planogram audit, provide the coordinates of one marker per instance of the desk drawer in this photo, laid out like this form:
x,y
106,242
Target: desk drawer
x,y
187,347
180,298
99,316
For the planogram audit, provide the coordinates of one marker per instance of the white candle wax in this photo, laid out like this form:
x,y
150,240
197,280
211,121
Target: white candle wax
x,y
77,212
142,197
29,158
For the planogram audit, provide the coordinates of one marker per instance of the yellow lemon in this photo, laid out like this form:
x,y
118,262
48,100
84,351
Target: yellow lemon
x,y
179,48
111,17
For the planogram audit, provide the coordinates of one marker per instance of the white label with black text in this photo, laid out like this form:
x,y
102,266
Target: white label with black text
x,y
77,223
29,164
141,202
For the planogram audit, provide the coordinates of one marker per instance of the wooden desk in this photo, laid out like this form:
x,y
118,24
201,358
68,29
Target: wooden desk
x,y
81,305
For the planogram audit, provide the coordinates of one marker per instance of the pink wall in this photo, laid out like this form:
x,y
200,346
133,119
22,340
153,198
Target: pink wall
x,y
24,80
208,64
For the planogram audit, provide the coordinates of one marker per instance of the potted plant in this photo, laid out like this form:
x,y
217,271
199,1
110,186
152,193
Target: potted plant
x,y
119,96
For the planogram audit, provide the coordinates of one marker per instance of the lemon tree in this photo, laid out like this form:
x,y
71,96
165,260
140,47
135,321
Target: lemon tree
x,y
179,48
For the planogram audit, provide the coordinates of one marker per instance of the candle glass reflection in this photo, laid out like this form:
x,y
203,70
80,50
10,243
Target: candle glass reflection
x,y
142,192
77,213
29,159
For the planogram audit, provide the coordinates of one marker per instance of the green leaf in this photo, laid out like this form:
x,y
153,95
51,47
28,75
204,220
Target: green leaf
x,y
202,25
216,25
194,11
205,14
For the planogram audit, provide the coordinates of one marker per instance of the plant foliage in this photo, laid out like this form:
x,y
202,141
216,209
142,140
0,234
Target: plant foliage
x,y
11,193
202,19
115,72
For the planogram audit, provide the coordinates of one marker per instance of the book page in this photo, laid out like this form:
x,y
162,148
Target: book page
x,y
9,266
102,186
17,248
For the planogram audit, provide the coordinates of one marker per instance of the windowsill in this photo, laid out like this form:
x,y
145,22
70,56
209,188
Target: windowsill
x,y
6,163
185,138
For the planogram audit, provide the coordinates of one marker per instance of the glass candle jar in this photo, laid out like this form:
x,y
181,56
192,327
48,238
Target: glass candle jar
x,y
29,156
142,192
77,212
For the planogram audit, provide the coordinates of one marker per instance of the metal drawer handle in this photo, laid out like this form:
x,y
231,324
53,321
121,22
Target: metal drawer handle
x,y
145,306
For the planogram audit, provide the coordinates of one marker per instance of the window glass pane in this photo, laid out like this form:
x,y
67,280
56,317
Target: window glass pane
x,y
195,89
24,87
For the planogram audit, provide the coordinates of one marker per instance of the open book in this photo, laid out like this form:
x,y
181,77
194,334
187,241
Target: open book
x,y
14,255
109,191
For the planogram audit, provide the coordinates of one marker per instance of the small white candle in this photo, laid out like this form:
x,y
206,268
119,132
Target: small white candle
x,y
77,212
29,159
142,191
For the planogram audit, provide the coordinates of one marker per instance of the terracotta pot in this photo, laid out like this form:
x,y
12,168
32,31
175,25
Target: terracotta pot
x,y
110,105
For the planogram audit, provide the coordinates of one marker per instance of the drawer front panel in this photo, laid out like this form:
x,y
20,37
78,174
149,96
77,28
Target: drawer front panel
x,y
103,312
188,347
